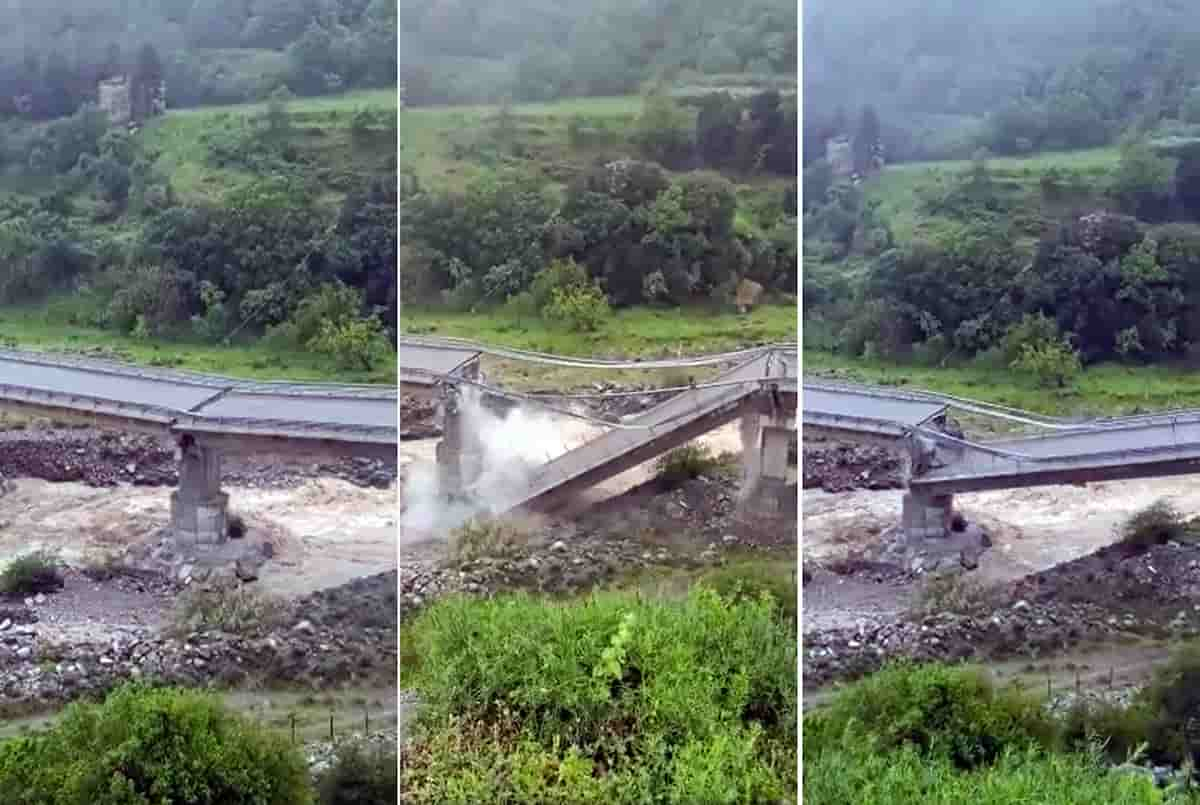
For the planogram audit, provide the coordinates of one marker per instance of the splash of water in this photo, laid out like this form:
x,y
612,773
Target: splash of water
x,y
508,449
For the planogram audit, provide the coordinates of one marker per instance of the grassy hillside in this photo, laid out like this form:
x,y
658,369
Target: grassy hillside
x,y
447,147
326,144
897,187
321,134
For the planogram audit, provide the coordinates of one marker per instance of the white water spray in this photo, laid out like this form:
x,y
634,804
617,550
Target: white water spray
x,y
508,449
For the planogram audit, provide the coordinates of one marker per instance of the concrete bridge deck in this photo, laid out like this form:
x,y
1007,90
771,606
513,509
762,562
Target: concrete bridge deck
x,y
1072,451
347,417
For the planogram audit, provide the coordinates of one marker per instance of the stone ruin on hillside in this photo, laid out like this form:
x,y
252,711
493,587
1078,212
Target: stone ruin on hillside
x,y
129,102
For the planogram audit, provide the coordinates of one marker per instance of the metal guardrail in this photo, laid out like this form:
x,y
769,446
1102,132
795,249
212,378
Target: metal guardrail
x,y
589,363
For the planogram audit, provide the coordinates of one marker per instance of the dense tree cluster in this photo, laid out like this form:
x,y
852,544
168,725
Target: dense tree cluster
x,y
457,51
1115,285
53,53
643,236
1014,77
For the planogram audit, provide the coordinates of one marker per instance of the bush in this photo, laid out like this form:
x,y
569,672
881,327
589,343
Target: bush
x,y
613,700
582,308
1157,524
228,607
33,573
751,580
1051,362
359,777
687,462
352,343
955,594
861,774
478,537
955,713
145,746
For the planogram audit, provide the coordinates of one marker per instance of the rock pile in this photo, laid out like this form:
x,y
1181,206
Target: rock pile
x,y
845,468
1096,598
320,643
106,458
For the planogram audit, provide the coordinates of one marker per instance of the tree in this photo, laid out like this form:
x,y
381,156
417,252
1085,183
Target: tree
x,y
1143,181
663,130
866,141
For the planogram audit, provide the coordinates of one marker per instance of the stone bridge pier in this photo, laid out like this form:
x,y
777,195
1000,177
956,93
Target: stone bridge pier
x,y
198,506
767,440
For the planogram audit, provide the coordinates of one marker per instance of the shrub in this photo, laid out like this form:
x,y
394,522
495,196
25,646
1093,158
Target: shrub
x,y
582,308
743,580
32,573
942,711
228,607
861,774
955,594
480,537
1052,362
687,462
1157,524
359,777
353,343
147,746
621,697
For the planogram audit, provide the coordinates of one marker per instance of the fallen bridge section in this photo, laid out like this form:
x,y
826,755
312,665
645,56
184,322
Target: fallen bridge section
x,y
765,384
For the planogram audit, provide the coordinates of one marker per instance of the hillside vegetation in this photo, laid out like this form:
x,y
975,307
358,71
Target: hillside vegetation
x,y
210,226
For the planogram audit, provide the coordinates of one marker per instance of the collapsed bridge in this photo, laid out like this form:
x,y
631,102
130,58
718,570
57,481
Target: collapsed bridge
x,y
943,462
761,390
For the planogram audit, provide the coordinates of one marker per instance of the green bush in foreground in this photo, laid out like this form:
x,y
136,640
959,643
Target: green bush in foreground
x,y
147,746
611,700
861,774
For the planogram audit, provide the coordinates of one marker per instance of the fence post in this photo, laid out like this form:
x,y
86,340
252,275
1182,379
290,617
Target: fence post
x,y
293,720
331,725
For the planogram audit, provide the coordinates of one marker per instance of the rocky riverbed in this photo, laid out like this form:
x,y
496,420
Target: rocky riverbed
x,y
346,634
1100,598
104,458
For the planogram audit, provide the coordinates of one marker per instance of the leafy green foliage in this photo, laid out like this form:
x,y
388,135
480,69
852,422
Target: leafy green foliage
x,y
32,573
687,462
527,701
145,746
354,343
580,307
955,713
1053,362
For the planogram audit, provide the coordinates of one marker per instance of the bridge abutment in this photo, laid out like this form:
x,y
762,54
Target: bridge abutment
x,y
198,506
926,516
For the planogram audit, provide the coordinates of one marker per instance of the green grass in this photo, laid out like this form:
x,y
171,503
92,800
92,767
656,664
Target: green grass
x,y
323,131
640,332
897,186
1103,389
49,328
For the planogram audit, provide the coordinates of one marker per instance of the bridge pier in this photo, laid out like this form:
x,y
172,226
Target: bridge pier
x,y
926,516
198,506
766,443
450,448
